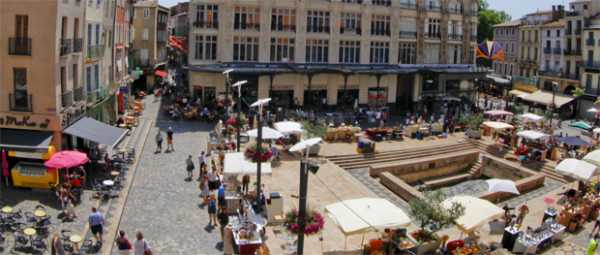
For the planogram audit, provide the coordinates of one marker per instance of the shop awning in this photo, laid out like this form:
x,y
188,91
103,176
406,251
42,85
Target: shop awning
x,y
25,140
96,131
517,92
161,73
545,98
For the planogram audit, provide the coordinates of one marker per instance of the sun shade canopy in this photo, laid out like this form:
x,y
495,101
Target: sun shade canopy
x,y
25,140
363,215
576,168
477,212
545,98
533,135
498,125
161,73
499,113
236,163
96,131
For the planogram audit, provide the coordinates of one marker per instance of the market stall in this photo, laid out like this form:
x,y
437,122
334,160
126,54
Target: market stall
x,y
532,147
497,128
342,133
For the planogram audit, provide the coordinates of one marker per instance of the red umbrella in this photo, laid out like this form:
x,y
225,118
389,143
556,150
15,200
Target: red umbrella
x,y
66,159
4,166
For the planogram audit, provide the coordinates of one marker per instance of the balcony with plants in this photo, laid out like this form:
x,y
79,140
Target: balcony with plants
x,y
95,51
96,96
66,46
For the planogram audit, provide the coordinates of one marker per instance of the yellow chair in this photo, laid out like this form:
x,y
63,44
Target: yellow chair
x,y
211,117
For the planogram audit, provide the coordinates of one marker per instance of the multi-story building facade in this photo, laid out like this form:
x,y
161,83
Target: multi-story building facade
x,y
180,24
41,86
308,50
554,68
507,35
121,50
151,37
590,65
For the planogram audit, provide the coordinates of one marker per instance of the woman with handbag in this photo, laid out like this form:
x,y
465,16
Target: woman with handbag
x,y
141,246
122,243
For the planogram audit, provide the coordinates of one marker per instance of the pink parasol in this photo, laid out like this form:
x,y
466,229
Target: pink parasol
x,y
4,166
66,159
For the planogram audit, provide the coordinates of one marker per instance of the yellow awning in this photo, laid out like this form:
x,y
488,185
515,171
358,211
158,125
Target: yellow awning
x,y
34,155
545,98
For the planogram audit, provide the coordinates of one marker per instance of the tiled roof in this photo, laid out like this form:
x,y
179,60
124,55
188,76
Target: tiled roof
x,y
145,4
509,24
558,23
540,12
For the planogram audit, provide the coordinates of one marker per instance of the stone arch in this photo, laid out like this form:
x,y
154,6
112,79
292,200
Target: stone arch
x,y
569,90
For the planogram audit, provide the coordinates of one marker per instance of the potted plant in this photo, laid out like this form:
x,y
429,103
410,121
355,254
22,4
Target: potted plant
x,y
314,131
313,223
237,121
432,217
474,122
225,100
254,155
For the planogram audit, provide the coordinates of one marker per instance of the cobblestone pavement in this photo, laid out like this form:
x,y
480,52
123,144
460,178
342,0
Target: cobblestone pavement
x,y
161,203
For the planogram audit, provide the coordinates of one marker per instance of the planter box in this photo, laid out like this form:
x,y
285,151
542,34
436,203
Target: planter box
x,y
475,134
426,248
314,150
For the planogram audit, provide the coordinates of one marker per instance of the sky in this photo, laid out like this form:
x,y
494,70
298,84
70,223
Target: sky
x,y
515,8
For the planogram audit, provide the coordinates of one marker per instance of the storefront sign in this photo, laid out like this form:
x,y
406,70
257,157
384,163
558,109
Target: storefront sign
x,y
72,115
123,89
21,121
198,87
316,87
283,87
348,87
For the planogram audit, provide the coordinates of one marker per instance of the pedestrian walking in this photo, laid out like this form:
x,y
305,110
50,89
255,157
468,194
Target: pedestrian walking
x,y
159,140
221,196
201,164
204,191
213,178
140,246
190,167
67,196
593,245
245,182
95,222
223,220
170,139
212,210
122,243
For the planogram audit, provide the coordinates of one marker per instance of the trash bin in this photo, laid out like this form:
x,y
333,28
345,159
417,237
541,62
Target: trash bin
x,y
361,144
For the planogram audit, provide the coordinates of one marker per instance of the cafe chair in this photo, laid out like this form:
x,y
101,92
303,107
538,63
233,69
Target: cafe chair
x,y
136,121
166,109
20,240
38,243
87,247
30,218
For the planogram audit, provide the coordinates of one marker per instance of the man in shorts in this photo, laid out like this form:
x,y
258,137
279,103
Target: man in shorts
x,y
170,139
223,218
190,167
213,177
95,221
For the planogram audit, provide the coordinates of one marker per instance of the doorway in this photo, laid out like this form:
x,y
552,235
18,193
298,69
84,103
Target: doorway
x,y
346,103
314,100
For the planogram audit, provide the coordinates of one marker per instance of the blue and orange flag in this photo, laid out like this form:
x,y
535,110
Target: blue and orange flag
x,y
490,49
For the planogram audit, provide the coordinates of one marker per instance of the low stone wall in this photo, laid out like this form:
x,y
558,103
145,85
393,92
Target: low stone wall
x,y
523,185
399,187
422,168
504,170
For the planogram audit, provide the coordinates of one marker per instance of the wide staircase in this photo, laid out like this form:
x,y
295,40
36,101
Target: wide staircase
x,y
546,167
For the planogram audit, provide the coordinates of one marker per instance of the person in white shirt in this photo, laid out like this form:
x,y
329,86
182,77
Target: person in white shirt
x,y
198,101
324,103
213,177
201,164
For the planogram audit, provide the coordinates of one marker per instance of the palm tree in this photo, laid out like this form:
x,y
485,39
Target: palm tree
x,y
578,93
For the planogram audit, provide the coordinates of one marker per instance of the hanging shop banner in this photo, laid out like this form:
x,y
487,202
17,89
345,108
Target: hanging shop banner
x,y
283,87
348,86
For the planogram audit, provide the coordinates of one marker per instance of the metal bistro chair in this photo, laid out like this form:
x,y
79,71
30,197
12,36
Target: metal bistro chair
x,y
87,247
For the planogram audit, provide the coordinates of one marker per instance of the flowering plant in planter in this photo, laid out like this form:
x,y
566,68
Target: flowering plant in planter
x,y
237,121
225,100
313,223
423,236
254,155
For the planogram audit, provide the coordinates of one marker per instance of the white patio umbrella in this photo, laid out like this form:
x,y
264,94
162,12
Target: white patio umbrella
x,y
576,168
534,135
592,110
498,125
500,185
593,157
267,133
499,113
477,212
235,163
531,116
304,144
596,131
289,127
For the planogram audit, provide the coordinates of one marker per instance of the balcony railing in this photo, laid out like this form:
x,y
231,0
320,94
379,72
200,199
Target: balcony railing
x,y
140,62
590,64
284,28
19,46
20,102
592,91
578,31
383,32
97,95
78,94
432,35
351,30
206,24
557,51
455,10
572,52
590,42
247,26
382,2
572,14
77,44
408,34
66,99
455,37
529,81
568,31
550,74
408,6
434,8
473,38
547,50
318,29
66,46
352,1
570,76
474,13
95,51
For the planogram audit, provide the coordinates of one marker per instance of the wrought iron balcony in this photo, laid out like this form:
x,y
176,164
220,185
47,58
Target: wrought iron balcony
x,y
432,35
206,24
590,64
592,91
284,28
455,10
433,8
529,81
351,30
95,51
408,34
547,50
141,62
550,74
408,6
66,46
318,29
77,44
20,102
384,32
352,1
572,14
96,96
382,2
557,51
247,26
19,46
568,31
456,37
572,52
570,76
66,99
78,94
474,13
590,42
578,31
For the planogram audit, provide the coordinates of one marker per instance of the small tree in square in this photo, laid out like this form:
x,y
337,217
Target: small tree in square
x,y
432,216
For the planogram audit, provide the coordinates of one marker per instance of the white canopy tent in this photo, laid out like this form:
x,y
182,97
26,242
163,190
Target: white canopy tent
x,y
592,110
499,113
236,164
359,216
498,125
477,212
577,169
450,98
289,127
531,116
596,131
534,135
267,133
593,157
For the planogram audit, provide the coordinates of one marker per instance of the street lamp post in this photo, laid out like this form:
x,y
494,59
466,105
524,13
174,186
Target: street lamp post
x,y
259,103
228,84
554,88
239,108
